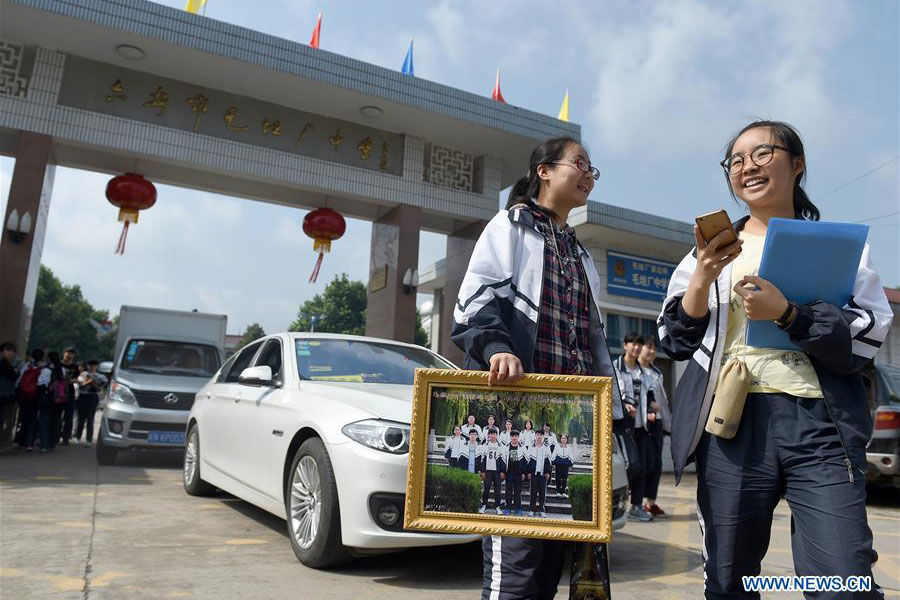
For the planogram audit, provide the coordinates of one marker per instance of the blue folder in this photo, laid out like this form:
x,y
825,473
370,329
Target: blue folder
x,y
807,261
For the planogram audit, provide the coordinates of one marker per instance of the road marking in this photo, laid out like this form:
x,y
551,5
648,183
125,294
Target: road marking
x,y
51,478
245,542
76,524
105,579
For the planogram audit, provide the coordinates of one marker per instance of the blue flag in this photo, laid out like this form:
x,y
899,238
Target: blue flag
x,y
408,61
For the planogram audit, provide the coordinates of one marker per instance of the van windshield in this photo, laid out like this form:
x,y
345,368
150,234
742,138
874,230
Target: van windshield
x,y
161,357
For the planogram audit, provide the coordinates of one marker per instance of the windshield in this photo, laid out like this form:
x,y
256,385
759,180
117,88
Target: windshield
x,y
892,378
362,362
161,357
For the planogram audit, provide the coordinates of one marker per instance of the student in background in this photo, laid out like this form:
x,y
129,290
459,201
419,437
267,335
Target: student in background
x,y
526,436
805,423
8,409
540,464
506,434
469,425
468,456
659,424
455,446
633,427
516,466
493,469
563,462
90,383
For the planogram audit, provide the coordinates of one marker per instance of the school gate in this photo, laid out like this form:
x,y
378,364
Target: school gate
x,y
122,86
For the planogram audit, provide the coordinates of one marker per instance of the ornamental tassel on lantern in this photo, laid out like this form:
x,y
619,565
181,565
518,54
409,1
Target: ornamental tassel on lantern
x,y
132,194
323,225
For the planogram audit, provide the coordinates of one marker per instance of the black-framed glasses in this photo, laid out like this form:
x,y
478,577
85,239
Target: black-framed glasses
x,y
761,155
580,164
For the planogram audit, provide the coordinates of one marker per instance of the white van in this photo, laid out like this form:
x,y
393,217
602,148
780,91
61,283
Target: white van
x,y
162,358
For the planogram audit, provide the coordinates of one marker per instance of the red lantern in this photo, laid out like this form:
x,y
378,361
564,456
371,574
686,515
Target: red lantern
x,y
323,225
131,193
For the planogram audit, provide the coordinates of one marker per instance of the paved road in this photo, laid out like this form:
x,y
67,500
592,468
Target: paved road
x,y
72,530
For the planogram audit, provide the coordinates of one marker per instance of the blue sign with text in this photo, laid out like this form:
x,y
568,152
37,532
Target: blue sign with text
x,y
629,275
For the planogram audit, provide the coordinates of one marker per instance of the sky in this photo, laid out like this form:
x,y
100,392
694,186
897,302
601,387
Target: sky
x,y
658,88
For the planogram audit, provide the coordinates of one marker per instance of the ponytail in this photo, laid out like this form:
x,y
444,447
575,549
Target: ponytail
x,y
803,206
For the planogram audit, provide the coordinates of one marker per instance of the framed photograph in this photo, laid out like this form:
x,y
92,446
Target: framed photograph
x,y
529,460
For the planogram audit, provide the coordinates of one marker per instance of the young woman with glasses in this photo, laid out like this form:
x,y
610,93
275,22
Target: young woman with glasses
x,y
805,422
529,303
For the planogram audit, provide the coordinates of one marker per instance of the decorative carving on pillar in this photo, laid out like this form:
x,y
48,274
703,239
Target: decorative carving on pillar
x,y
13,79
448,167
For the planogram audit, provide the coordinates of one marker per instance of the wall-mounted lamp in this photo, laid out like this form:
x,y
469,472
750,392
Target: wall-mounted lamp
x,y
410,281
17,227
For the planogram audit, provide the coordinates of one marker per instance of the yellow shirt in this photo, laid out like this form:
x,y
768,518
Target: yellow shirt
x,y
771,370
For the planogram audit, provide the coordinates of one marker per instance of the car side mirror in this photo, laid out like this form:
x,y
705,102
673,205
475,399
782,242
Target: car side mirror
x,y
257,376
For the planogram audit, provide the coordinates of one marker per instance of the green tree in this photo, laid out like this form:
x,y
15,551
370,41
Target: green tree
x,y
341,308
421,335
63,318
252,333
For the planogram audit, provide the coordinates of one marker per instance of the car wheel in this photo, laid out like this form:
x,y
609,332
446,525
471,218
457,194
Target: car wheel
x,y
105,455
313,512
193,484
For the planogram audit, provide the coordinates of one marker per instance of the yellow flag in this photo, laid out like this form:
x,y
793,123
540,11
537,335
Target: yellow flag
x,y
194,6
564,109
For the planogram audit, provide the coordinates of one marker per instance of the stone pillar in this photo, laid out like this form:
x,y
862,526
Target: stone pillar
x,y
390,311
20,263
459,250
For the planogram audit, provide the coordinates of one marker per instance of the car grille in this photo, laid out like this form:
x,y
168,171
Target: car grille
x,y
157,400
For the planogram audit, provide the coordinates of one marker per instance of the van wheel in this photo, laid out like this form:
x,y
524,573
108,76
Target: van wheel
x,y
193,484
313,511
105,455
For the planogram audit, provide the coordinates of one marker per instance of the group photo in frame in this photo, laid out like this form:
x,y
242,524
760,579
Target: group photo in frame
x,y
531,459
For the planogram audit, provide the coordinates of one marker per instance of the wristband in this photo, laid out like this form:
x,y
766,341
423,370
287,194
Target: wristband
x,y
782,320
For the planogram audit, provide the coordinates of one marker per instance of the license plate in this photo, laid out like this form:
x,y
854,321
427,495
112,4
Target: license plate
x,y
165,437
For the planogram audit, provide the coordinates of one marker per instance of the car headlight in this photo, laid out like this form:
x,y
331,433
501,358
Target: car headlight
x,y
121,393
387,436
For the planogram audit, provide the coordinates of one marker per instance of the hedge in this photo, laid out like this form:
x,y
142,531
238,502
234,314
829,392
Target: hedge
x,y
451,490
580,494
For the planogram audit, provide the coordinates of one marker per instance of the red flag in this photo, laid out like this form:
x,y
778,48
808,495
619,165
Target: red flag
x,y
495,94
314,42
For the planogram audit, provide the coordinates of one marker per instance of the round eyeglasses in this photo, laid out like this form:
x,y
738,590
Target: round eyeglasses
x,y
580,164
760,156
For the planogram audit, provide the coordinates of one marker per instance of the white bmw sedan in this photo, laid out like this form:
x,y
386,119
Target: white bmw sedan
x,y
314,428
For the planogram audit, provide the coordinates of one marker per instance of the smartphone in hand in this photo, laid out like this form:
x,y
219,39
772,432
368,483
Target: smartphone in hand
x,y
713,223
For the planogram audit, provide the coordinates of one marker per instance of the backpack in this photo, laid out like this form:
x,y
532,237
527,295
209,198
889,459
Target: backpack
x,y
59,391
28,388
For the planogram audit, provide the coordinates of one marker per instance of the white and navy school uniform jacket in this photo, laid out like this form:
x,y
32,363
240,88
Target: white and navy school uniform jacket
x,y
839,341
503,438
526,438
484,431
549,455
520,466
550,440
500,297
499,452
563,456
465,431
653,377
626,387
463,460
455,446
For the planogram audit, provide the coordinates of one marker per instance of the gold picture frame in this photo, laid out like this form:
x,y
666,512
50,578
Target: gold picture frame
x,y
427,510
